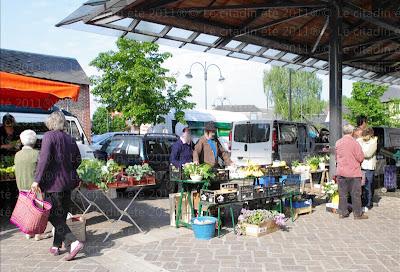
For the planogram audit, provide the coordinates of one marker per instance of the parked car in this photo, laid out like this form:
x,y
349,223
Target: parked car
x,y
132,149
29,118
262,142
99,140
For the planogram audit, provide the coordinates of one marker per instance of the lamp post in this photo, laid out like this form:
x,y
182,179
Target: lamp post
x,y
205,70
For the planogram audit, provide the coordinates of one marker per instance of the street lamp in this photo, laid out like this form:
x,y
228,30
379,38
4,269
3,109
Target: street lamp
x,y
205,70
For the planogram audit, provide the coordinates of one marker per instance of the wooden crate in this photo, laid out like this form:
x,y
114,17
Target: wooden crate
x,y
262,229
173,206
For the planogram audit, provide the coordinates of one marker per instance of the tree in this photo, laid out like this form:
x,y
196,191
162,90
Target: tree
x,y
103,122
306,92
365,100
133,82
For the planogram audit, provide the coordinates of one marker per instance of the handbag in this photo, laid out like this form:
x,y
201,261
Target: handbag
x,y
30,214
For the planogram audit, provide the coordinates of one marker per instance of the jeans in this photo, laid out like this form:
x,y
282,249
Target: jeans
x,y
60,202
368,188
350,186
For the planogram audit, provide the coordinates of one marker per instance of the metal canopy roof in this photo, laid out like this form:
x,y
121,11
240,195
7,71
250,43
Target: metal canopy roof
x,y
293,34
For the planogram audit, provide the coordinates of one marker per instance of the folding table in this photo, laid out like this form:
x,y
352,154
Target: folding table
x,y
122,213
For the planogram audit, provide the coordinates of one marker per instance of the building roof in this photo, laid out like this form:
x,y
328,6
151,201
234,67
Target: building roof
x,y
294,34
392,93
42,66
238,108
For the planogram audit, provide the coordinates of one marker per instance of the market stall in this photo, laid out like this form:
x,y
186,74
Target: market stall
x,y
224,189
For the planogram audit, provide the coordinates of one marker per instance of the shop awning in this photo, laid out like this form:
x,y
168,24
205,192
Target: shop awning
x,y
24,91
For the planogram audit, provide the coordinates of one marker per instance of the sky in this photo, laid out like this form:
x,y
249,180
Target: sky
x,y
30,26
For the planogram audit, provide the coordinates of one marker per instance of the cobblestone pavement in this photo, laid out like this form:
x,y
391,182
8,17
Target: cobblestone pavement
x,y
316,242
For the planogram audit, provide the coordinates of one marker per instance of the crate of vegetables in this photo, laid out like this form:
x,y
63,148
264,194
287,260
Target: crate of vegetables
x,y
246,192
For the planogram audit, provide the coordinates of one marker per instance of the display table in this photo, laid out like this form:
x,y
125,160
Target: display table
x,y
122,212
186,189
324,178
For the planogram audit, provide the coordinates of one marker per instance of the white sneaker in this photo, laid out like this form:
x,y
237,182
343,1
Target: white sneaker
x,y
28,236
365,209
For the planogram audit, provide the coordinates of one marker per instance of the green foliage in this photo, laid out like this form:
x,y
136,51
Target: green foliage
x,y
6,161
98,172
101,125
138,171
306,92
204,170
365,99
134,82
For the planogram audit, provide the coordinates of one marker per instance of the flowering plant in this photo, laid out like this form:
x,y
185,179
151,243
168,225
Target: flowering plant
x,y
257,217
330,188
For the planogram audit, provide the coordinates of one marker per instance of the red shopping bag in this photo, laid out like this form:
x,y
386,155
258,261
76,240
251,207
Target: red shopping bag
x,y
30,214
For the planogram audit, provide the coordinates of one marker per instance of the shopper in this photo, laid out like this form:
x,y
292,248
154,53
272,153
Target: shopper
x,y
25,162
208,149
349,157
369,146
182,150
56,176
362,122
8,136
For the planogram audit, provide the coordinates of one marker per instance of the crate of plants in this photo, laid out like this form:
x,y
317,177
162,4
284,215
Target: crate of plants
x,y
257,223
96,174
218,196
140,175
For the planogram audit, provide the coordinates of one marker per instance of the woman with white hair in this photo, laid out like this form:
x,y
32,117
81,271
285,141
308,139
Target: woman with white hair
x,y
56,176
25,162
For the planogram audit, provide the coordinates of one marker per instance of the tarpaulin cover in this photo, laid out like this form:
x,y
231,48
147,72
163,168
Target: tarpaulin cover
x,y
25,91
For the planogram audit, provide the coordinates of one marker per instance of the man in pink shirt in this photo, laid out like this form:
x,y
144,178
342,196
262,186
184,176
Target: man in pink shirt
x,y
349,157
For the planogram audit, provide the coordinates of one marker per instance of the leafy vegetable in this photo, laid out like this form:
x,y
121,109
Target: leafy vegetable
x,y
204,170
6,161
138,171
97,172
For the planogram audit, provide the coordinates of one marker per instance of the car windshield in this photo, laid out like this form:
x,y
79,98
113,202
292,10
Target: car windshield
x,y
129,145
99,138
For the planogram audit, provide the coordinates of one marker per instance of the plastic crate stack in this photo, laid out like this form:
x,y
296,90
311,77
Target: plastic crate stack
x,y
291,184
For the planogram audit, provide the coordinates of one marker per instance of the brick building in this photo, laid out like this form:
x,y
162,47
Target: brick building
x,y
54,68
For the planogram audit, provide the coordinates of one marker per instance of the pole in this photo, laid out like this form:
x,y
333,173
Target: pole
x,y
205,83
335,80
290,94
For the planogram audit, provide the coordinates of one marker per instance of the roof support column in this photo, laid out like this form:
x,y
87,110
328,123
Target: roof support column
x,y
335,80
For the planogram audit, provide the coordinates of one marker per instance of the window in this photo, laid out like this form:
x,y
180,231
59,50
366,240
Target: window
x,y
75,132
112,145
131,145
252,133
159,146
259,133
242,132
288,134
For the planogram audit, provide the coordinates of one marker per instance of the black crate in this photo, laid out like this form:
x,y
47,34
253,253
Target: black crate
x,y
221,175
273,190
259,191
229,185
246,192
175,173
218,197
274,171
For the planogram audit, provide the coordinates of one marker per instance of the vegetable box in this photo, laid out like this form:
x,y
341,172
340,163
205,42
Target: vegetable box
x,y
261,229
246,192
218,196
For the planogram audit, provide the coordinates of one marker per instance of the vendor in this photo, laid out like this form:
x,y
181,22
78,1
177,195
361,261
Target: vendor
x,y
208,149
182,150
8,136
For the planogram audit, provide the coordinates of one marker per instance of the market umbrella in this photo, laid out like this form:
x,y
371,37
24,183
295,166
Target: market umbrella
x,y
25,91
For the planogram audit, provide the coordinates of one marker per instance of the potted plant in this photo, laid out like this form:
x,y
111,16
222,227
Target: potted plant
x,y
91,173
198,172
137,173
322,162
331,191
313,162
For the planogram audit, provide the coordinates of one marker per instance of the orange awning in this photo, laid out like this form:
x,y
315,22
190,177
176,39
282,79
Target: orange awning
x,y
25,91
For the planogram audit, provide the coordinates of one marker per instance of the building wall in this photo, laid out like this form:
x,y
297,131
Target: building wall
x,y
80,108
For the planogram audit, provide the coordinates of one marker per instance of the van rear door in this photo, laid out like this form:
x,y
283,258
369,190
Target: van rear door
x,y
260,143
240,143
288,142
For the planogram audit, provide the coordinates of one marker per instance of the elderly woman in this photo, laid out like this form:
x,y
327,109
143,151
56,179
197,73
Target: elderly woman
x,y
56,176
25,164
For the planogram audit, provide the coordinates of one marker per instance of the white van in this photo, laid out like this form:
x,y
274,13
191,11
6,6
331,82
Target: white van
x,y
262,142
35,119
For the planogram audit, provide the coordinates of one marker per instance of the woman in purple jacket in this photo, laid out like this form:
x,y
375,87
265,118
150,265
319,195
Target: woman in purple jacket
x,y
56,177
